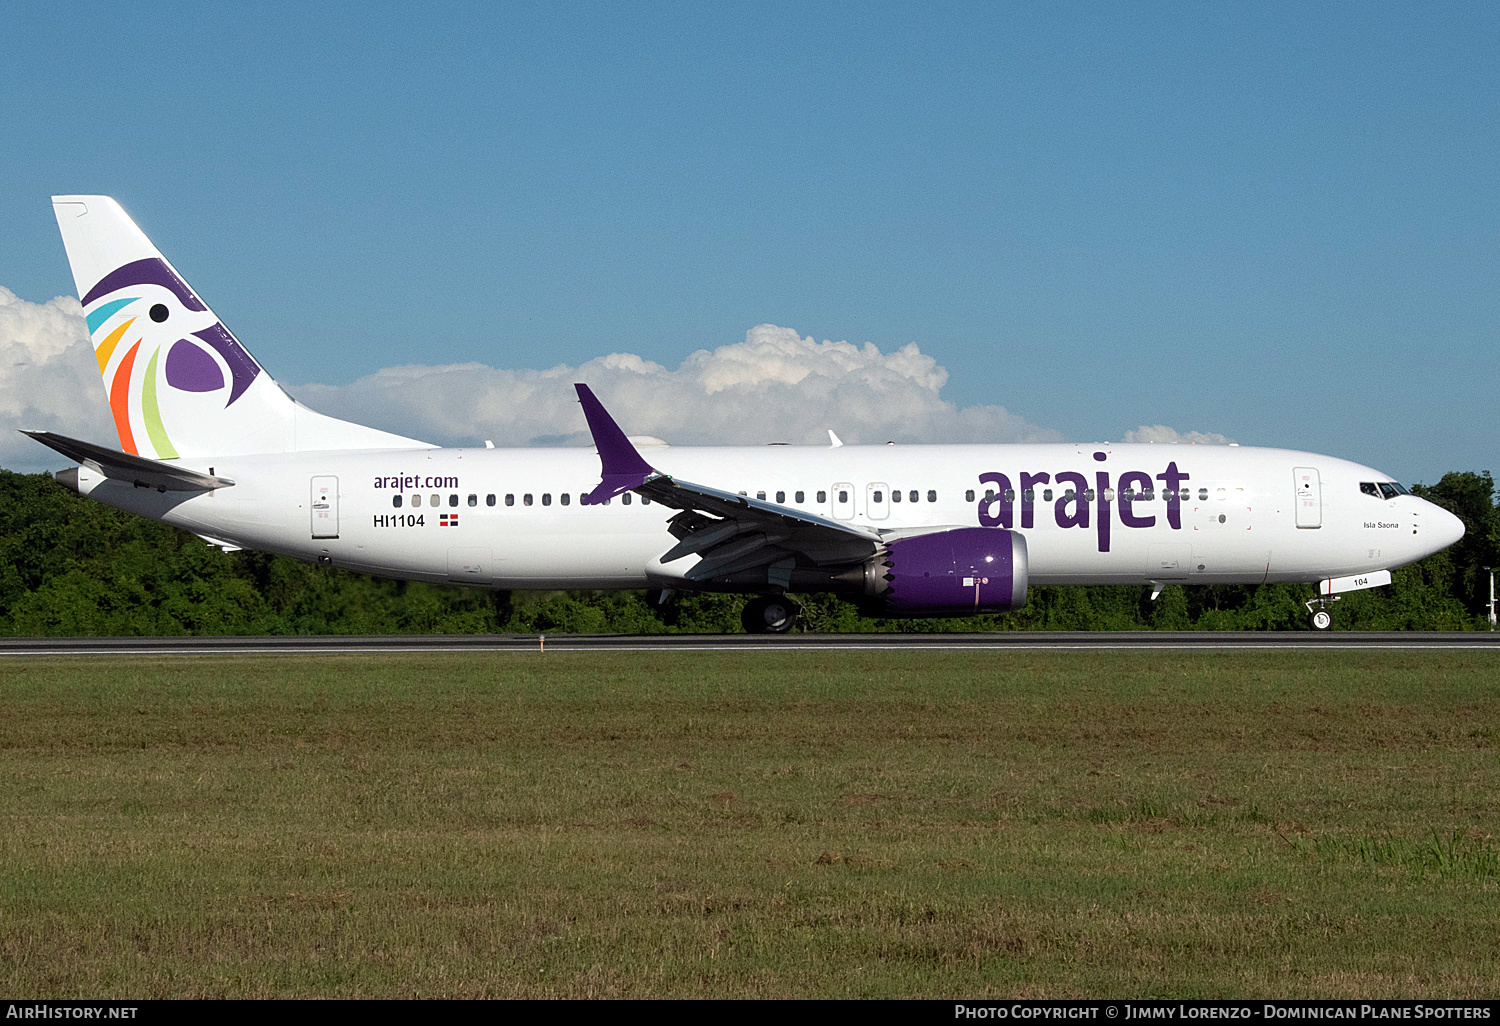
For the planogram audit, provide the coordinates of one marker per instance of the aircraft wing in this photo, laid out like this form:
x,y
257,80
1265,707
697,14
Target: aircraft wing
x,y
136,470
731,533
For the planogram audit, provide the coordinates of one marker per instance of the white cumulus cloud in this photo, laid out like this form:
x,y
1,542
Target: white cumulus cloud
x,y
48,380
1162,433
775,386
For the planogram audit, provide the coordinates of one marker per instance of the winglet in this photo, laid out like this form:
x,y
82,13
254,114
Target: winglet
x,y
620,465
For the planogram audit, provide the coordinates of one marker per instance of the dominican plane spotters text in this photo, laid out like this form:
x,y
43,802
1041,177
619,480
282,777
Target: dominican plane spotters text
x,y
210,443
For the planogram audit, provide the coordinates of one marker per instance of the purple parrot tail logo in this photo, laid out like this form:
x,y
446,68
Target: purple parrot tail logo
x,y
189,367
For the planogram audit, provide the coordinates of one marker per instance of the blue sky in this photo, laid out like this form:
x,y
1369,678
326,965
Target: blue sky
x,y
1274,222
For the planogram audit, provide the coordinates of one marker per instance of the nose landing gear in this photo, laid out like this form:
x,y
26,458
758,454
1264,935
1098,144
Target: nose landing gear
x,y
1320,619
769,614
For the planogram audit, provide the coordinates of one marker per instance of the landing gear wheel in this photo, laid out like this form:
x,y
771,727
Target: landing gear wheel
x,y
1321,620
769,614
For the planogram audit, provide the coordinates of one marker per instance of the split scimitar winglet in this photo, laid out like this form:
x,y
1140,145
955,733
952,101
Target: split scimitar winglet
x,y
621,467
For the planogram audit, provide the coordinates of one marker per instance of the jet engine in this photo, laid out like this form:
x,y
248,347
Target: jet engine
x,y
960,572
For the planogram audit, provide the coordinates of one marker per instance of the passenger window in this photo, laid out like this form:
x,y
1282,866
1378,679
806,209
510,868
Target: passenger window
x,y
416,500
510,499
546,498
781,496
644,501
583,498
625,498
1029,495
473,500
1046,494
1088,495
912,495
932,496
453,500
1010,495
526,499
437,500
1185,494
798,497
564,498
822,496
396,501
989,495
843,496
968,495
489,500
760,495
896,495
1148,495
877,496
1202,494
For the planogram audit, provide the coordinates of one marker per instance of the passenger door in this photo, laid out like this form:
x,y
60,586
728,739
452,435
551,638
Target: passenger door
x,y
1309,497
325,507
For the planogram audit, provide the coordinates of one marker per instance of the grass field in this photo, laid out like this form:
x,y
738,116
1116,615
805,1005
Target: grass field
x,y
759,824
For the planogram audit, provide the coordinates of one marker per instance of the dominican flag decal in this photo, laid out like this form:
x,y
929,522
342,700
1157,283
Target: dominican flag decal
x,y
448,520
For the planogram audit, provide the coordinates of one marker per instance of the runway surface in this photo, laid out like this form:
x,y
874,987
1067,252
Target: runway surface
x,y
1033,640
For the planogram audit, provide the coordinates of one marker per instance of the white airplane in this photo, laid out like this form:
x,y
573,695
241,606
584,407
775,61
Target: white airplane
x,y
209,443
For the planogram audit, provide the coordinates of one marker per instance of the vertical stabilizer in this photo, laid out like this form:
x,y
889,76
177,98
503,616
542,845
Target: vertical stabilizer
x,y
179,383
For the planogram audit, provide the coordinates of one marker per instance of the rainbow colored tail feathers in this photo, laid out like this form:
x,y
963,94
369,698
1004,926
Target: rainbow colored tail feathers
x,y
179,382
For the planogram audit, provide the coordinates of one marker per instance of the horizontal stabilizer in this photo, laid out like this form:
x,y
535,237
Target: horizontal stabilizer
x,y
136,470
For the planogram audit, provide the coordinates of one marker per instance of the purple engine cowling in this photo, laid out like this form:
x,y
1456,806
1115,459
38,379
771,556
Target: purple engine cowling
x,y
953,573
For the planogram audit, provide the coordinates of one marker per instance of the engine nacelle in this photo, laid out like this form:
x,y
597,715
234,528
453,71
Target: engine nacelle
x,y
960,572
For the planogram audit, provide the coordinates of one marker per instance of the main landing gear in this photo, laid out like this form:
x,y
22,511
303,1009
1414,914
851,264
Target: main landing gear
x,y
1320,619
769,614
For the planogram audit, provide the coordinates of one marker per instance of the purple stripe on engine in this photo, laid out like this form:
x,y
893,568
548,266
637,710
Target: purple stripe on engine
x,y
928,572
150,271
242,368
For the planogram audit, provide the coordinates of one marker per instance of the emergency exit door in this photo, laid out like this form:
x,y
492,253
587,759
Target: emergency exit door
x,y
1309,496
843,500
325,507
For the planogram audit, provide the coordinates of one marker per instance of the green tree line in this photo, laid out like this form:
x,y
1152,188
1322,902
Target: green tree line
x,y
71,567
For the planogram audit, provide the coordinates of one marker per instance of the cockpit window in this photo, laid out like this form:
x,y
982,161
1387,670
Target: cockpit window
x,y
1369,488
1383,489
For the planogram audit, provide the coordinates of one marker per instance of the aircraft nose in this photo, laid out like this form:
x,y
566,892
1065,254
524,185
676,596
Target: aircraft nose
x,y
1441,527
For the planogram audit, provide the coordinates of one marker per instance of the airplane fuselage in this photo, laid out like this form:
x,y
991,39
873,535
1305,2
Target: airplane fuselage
x,y
1090,514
